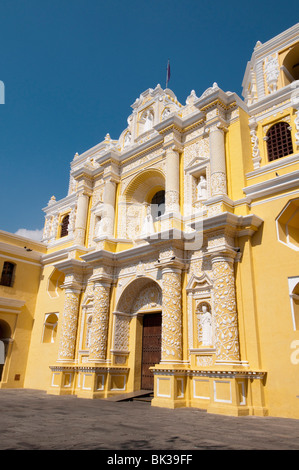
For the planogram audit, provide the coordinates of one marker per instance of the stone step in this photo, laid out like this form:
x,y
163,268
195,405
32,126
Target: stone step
x,y
130,396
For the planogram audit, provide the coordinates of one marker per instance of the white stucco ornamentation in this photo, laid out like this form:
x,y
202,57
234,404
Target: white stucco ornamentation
x,y
210,90
69,326
256,158
172,200
171,316
272,72
218,183
99,327
227,337
122,330
295,105
149,298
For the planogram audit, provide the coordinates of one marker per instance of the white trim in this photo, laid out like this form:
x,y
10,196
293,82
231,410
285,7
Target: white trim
x,y
19,260
8,305
243,393
182,388
274,165
292,282
201,397
274,185
281,196
125,382
69,384
158,392
103,382
83,381
52,382
4,310
215,391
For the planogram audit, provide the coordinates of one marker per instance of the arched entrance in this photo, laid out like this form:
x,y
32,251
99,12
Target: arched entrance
x,y
151,348
5,334
140,305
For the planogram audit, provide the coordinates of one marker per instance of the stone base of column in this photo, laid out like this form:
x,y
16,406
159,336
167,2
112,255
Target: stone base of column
x,y
62,380
88,381
226,392
170,385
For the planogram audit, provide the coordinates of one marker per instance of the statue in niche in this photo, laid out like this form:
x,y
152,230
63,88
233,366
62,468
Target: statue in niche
x,y
206,326
128,138
99,230
88,332
149,121
148,223
166,113
202,188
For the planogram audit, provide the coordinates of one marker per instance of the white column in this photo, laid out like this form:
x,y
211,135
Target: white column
x,y
225,309
172,190
67,344
217,159
109,207
171,350
100,319
81,218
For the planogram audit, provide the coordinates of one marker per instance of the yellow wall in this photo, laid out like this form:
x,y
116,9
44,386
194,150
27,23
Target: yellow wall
x,y
42,354
269,307
25,288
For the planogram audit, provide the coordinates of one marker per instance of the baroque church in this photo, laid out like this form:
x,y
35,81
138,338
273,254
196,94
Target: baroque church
x,y
170,267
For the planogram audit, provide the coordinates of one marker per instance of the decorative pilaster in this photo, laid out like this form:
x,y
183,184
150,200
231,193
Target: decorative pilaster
x,y
295,105
100,318
271,67
171,315
81,218
256,158
226,320
172,192
109,207
217,158
67,344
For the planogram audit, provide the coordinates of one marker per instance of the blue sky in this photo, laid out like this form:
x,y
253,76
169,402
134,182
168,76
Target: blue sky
x,y
73,68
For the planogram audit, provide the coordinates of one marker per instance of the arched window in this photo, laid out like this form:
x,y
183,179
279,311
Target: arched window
x,y
50,328
290,65
158,204
65,226
7,276
279,141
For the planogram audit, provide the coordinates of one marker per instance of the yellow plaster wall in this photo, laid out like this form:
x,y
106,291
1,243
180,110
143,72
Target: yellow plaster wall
x,y
41,355
272,264
238,155
25,288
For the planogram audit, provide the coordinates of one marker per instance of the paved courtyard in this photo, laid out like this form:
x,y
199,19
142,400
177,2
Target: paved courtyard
x,y
33,420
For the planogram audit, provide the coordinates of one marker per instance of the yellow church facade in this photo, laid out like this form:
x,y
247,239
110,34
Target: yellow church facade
x,y
171,266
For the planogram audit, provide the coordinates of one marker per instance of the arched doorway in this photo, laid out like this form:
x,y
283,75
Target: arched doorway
x,y
140,305
151,348
5,334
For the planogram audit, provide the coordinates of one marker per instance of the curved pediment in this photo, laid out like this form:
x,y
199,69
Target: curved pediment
x,y
199,283
142,294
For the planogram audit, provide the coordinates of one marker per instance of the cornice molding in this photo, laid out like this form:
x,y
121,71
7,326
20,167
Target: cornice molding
x,y
242,225
59,206
282,97
21,254
272,186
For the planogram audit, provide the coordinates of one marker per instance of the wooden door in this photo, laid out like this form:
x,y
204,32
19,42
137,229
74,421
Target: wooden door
x,y
151,348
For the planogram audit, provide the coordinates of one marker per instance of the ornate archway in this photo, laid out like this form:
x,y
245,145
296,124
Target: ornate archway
x,y
141,300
